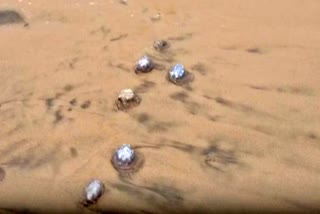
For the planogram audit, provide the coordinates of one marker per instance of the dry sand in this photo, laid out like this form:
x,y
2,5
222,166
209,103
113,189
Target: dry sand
x,y
243,136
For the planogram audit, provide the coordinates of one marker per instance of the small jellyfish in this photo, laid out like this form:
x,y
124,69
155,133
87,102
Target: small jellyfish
x,y
177,72
160,45
178,75
127,99
126,160
124,155
144,65
93,191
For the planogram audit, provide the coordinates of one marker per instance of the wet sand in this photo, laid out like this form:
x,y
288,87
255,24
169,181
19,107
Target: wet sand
x,y
243,136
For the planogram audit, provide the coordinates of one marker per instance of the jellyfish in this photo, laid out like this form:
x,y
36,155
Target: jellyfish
x,y
178,75
92,192
126,160
144,65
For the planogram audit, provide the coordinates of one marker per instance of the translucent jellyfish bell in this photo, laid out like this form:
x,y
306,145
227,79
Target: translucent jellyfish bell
x,y
177,72
125,155
93,192
144,65
127,161
179,75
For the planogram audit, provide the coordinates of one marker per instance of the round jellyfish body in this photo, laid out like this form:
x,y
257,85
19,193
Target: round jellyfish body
x,y
125,155
127,161
177,72
144,64
93,191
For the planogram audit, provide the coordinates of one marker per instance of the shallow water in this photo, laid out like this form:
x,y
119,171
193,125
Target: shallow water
x,y
244,135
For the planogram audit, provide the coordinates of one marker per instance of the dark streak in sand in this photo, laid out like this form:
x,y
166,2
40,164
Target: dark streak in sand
x,y
73,101
242,107
15,129
10,17
180,96
122,36
73,62
191,106
17,210
159,66
217,158
167,56
68,88
184,147
153,125
214,118
124,2
50,101
160,126
123,67
58,116
257,87
301,206
181,146
147,147
254,50
181,38
86,104
145,86
73,152
296,90
213,156
12,147
312,136
33,158
2,174
187,87
143,118
172,195
208,97
103,30
200,67
262,129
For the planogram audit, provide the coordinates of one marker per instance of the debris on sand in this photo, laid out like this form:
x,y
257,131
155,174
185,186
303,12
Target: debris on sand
x,y
127,99
160,45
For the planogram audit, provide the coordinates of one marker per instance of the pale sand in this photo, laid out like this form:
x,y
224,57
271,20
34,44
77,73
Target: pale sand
x,y
245,135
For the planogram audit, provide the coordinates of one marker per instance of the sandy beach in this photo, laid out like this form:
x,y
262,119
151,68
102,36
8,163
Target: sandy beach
x,y
243,136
